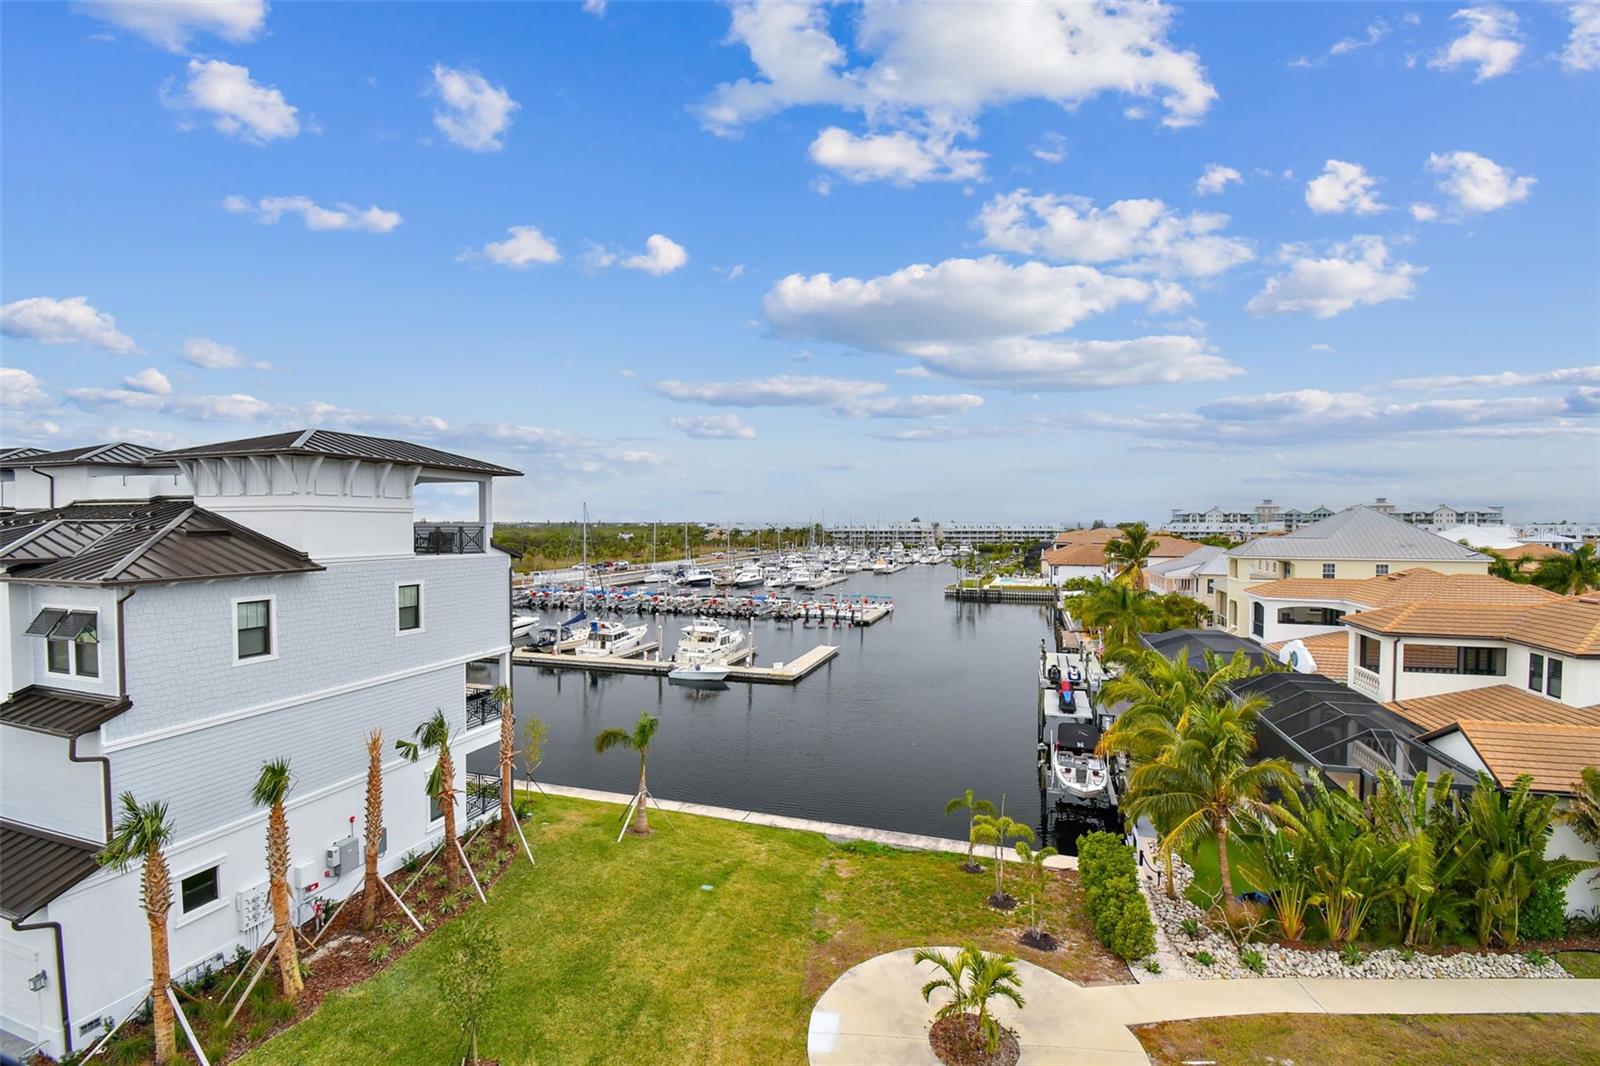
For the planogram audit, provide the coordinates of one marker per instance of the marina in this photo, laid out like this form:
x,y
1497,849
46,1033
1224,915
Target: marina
x,y
779,673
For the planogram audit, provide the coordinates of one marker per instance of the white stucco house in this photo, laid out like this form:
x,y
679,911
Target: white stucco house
x,y
172,620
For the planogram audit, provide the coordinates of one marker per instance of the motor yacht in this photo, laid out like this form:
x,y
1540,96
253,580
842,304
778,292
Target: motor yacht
x,y
706,641
606,637
747,578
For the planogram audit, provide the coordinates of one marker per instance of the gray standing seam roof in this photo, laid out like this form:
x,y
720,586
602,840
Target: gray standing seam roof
x,y
60,713
117,453
335,445
36,866
1359,533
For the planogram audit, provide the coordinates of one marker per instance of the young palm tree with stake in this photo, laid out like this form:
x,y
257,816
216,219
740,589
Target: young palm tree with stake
x,y
1000,830
434,735
1033,861
270,789
638,740
374,829
140,836
974,807
508,752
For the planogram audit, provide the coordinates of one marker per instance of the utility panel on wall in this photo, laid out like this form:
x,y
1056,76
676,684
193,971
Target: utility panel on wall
x,y
254,907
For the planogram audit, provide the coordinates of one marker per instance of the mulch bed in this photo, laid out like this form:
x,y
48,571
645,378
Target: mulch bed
x,y
1038,940
971,868
957,1042
1002,901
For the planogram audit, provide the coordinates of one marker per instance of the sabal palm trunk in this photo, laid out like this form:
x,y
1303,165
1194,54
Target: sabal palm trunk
x,y
447,800
641,820
157,889
282,923
508,752
374,829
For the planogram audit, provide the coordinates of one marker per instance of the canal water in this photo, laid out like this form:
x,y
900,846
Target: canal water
x,y
936,698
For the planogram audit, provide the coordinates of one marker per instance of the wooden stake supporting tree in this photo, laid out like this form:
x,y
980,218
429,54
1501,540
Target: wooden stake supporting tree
x,y
639,740
434,735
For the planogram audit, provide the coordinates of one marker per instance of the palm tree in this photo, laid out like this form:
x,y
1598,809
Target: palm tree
x,y
639,741
999,830
373,829
508,752
1426,820
1511,829
974,807
140,836
973,978
1160,690
1130,553
434,735
1572,574
1204,783
1033,861
1583,814
1121,612
270,789
1503,568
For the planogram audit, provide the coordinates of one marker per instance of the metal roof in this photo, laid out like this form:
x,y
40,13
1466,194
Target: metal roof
x,y
138,543
327,442
1359,533
36,866
1195,642
59,712
117,453
9,454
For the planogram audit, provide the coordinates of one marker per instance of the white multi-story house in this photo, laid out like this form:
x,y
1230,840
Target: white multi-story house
x,y
285,605
927,534
1267,517
1358,543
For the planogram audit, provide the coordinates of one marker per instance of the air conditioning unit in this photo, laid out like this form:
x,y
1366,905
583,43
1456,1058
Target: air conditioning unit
x,y
254,906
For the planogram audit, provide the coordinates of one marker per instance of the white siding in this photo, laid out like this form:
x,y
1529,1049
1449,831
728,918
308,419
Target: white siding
x,y
43,789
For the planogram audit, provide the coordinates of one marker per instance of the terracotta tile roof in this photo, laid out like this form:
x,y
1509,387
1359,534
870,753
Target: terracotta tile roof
x,y
1528,551
1413,585
1494,703
1552,754
1330,653
1568,624
1091,551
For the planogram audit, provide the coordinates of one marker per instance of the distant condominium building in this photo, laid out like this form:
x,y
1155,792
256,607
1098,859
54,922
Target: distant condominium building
x,y
1268,517
920,533
171,620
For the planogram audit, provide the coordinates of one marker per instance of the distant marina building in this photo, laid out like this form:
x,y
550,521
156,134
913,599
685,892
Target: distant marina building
x,y
1267,517
917,533
170,621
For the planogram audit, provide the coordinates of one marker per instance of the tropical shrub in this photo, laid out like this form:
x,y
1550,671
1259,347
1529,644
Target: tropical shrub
x,y
1253,961
972,978
1204,958
1117,909
1544,916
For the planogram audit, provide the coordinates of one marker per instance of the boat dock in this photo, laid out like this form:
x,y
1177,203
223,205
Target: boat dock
x,y
636,663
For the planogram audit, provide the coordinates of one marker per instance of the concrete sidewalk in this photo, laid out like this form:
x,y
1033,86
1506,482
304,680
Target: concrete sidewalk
x,y
886,837
874,1013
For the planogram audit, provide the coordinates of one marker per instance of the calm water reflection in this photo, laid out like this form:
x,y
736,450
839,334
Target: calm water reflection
x,y
934,699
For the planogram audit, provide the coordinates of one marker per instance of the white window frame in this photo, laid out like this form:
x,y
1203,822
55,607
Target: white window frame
x,y
1326,568
72,652
422,614
272,629
1381,569
183,917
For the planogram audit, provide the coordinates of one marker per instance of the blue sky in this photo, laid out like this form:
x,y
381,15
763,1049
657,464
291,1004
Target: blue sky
x,y
754,263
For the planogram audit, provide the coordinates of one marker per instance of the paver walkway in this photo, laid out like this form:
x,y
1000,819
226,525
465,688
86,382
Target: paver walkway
x,y
887,837
874,1013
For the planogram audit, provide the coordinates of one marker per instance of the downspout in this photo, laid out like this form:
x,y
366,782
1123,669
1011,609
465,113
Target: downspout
x,y
61,973
52,481
1394,680
105,774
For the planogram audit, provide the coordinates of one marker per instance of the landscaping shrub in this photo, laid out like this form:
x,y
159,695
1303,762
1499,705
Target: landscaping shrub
x,y
1117,909
1544,915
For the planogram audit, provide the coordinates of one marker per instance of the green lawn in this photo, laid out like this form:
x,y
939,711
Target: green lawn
x,y
1244,866
615,953
1580,963
1423,1040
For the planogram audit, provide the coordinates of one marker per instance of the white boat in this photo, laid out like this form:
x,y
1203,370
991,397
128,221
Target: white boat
x,y
655,577
774,576
852,566
705,640
698,672
823,580
606,637
747,578
695,577
523,626
1072,730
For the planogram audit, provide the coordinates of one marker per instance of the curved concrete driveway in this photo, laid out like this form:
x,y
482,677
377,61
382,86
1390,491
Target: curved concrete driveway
x,y
874,1014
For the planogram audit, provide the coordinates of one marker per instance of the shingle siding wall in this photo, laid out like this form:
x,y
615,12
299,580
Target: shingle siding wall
x,y
102,601
333,628
205,775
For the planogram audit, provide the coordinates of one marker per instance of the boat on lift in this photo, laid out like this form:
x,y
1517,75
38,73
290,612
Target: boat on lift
x,y
1071,730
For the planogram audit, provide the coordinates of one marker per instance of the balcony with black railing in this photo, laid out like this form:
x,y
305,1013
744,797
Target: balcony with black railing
x,y
449,538
482,707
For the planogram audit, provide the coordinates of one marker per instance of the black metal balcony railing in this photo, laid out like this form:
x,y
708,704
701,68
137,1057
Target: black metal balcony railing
x,y
483,796
429,538
482,707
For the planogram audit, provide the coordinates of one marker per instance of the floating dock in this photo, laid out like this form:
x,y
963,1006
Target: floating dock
x,y
777,674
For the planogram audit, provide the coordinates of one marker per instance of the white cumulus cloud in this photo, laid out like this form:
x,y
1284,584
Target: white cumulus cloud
x,y
1491,42
473,114
1582,51
171,23
1215,179
203,352
269,209
20,390
661,255
525,245
236,104
1355,273
714,427
898,157
72,320
1145,236
149,380
1476,183
1343,187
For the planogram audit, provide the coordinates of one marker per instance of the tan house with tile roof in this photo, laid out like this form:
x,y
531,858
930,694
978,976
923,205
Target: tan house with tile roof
x,y
1082,553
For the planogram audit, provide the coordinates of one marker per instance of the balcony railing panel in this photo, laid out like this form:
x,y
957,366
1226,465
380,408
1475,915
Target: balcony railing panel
x,y
482,707
483,796
459,538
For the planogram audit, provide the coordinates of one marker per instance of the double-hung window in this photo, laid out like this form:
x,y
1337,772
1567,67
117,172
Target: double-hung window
x,y
1536,673
199,889
409,608
253,629
1552,678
